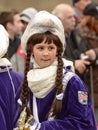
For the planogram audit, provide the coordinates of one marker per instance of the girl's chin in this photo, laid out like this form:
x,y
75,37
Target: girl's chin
x,y
44,66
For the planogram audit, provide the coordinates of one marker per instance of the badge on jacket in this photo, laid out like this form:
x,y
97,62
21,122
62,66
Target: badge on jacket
x,y
83,97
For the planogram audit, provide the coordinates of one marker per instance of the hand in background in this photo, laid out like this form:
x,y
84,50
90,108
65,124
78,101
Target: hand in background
x,y
91,53
81,65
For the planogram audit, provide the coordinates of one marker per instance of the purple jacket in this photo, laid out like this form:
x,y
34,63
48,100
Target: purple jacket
x,y
77,113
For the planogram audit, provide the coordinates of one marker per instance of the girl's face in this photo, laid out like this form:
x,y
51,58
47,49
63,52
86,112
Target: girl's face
x,y
44,53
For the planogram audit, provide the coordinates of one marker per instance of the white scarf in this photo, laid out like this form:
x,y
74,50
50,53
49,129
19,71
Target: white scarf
x,y
42,81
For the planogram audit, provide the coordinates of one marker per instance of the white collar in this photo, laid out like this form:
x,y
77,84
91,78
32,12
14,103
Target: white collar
x,y
5,62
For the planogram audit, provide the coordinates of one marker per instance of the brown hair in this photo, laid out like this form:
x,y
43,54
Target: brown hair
x,y
38,38
7,16
90,21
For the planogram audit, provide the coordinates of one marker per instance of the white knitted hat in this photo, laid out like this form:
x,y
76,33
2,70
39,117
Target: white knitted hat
x,y
4,41
43,22
27,14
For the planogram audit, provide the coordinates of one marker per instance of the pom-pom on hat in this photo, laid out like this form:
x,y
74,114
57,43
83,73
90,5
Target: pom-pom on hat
x,y
4,41
42,22
27,14
91,9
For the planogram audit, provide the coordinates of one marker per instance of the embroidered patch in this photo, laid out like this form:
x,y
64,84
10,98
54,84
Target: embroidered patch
x,y
82,97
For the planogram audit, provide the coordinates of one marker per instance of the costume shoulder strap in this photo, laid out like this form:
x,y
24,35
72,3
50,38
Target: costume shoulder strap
x,y
67,76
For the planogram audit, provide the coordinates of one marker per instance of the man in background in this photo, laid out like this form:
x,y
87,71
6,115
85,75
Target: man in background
x,y
75,44
12,23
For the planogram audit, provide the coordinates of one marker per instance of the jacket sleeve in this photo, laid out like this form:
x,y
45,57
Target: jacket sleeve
x,y
77,111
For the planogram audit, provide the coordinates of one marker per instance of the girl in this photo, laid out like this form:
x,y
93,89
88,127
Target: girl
x,y
51,92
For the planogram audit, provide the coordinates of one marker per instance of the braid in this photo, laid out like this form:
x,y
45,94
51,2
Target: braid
x,y
57,105
25,90
59,76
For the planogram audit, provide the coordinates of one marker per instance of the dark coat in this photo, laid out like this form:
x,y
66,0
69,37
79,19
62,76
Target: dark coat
x,y
16,55
76,45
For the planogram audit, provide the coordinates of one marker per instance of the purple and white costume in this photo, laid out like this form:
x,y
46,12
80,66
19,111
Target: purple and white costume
x,y
77,113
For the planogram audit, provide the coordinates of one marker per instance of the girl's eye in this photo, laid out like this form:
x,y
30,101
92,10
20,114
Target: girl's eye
x,y
40,48
50,48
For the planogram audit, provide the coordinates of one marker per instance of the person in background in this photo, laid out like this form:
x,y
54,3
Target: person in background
x,y
88,28
78,6
57,98
26,15
10,82
12,23
75,44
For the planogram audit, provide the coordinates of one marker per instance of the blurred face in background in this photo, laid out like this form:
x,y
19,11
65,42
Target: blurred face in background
x,y
16,26
24,25
69,20
81,4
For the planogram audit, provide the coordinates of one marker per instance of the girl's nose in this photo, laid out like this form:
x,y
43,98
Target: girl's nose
x,y
46,52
